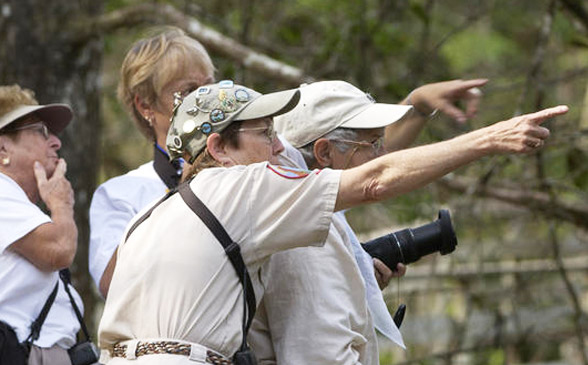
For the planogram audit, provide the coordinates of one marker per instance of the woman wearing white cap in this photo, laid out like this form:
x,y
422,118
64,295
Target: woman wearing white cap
x,y
34,246
175,297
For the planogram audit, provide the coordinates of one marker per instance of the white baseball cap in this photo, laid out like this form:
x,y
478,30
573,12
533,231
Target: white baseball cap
x,y
327,105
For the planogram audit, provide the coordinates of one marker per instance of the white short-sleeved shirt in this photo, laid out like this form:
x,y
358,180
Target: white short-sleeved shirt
x,y
114,204
173,279
24,288
317,290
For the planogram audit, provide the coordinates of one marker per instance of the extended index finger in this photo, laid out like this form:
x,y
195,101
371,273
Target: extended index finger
x,y
540,116
470,84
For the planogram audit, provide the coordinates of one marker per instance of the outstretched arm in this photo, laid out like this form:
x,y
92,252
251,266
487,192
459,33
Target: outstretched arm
x,y
440,96
403,171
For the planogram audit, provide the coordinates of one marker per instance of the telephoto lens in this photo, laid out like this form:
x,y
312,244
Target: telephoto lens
x,y
409,245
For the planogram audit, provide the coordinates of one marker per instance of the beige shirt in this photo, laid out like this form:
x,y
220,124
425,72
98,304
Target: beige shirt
x,y
173,279
314,309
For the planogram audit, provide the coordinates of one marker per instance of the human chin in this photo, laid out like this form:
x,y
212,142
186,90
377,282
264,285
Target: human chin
x,y
50,165
274,160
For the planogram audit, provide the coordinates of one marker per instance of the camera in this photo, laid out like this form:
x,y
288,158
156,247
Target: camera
x,y
409,245
244,357
83,353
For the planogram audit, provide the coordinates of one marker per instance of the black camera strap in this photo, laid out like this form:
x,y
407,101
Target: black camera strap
x,y
65,276
38,323
232,250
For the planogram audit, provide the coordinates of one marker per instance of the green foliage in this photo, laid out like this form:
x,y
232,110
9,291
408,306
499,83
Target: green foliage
x,y
496,357
477,49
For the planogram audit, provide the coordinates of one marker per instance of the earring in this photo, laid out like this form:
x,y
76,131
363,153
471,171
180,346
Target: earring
x,y
149,121
6,161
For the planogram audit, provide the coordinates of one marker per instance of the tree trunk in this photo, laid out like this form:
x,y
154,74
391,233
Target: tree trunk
x,y
38,53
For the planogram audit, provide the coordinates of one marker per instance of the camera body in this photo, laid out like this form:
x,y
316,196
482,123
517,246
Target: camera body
x,y
84,353
409,245
244,357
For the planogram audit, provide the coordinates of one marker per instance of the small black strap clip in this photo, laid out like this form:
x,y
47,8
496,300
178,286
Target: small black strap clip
x,y
233,249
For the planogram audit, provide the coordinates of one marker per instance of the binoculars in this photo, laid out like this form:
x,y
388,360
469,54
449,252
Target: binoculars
x,y
409,245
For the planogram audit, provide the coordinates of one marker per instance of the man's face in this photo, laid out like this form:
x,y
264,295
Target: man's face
x,y
257,143
366,147
33,144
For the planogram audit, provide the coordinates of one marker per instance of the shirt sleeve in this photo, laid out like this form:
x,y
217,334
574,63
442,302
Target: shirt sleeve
x,y
269,208
18,215
109,217
291,208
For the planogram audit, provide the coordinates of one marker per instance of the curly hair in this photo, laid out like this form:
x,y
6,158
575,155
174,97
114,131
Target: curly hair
x,y
13,96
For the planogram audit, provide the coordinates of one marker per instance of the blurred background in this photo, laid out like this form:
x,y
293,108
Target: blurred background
x,y
515,291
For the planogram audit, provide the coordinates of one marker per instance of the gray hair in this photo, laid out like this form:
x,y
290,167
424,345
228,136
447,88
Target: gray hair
x,y
307,150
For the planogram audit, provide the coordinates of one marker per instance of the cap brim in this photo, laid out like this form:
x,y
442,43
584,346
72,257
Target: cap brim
x,y
269,105
377,115
55,116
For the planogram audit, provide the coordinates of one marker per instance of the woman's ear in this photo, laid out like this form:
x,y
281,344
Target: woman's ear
x,y
144,108
322,153
218,150
4,154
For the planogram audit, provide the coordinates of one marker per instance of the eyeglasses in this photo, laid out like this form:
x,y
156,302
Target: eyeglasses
x,y
269,131
38,126
375,145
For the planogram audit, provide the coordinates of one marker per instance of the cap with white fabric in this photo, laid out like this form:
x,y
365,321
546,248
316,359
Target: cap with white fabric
x,y
16,103
212,108
327,105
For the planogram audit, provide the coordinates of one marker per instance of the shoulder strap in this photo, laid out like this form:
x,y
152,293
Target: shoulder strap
x,y
231,248
38,323
65,276
148,213
165,169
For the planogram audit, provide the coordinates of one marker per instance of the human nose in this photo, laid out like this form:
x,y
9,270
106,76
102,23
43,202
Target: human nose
x,y
378,148
277,146
381,151
54,142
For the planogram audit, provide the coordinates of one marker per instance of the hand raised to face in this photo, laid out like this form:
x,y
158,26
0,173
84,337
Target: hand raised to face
x,y
56,191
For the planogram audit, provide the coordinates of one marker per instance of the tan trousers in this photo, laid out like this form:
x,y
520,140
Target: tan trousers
x,y
49,356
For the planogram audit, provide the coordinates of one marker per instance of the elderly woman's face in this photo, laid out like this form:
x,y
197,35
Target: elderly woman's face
x,y
184,85
33,143
257,143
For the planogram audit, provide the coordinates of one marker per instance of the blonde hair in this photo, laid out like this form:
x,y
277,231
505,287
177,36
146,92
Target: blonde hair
x,y
14,96
154,61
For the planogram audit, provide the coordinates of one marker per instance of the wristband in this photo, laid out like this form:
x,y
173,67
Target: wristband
x,y
420,113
